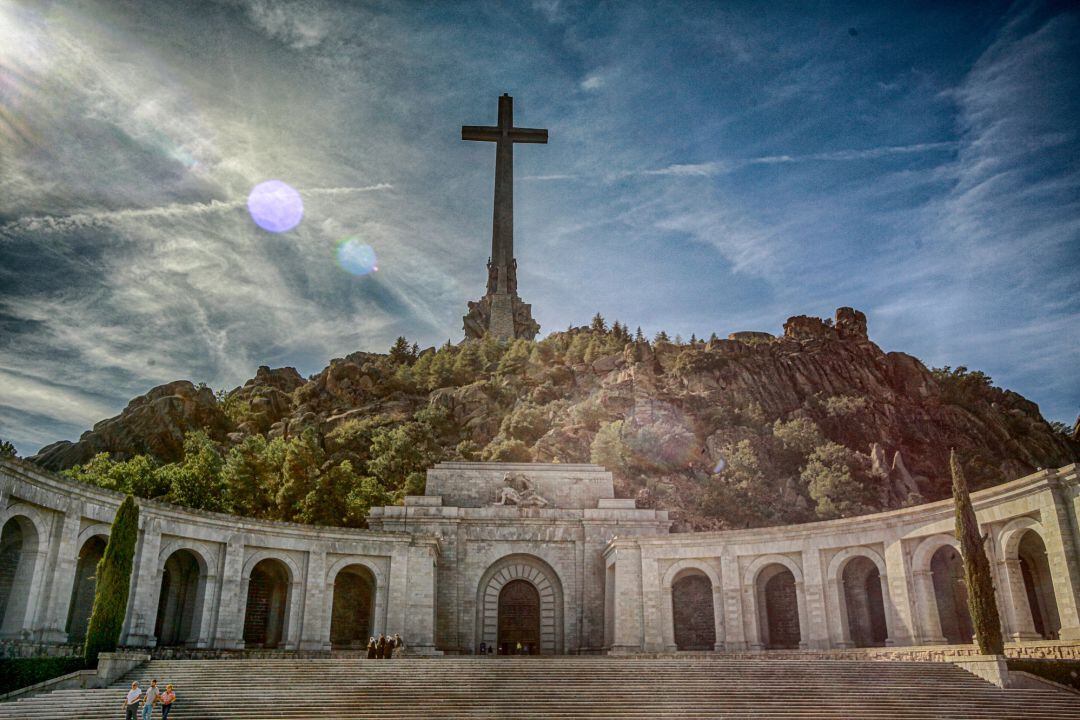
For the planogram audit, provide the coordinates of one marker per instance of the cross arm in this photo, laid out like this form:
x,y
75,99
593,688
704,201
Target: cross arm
x,y
528,135
480,132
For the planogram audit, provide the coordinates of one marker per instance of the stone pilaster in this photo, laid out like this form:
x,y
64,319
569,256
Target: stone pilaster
x,y
65,558
145,584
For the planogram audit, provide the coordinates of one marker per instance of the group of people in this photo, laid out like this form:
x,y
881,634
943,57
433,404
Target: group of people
x,y
384,647
148,700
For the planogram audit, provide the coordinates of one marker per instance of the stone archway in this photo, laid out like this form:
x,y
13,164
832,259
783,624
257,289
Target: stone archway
x,y
950,595
863,602
267,604
780,625
19,555
1038,585
693,619
82,590
352,614
183,580
544,581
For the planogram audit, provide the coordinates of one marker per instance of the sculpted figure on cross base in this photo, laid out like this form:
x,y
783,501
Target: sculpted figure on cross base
x,y
523,495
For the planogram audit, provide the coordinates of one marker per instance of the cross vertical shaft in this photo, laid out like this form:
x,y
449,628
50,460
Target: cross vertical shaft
x,y
501,312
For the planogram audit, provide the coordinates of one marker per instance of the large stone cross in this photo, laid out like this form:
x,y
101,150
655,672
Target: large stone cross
x,y
504,135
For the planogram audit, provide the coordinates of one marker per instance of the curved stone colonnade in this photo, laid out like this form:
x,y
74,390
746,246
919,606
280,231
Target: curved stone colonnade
x,y
565,579
893,578
205,580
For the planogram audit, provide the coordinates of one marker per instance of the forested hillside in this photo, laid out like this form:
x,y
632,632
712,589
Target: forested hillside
x,y
749,430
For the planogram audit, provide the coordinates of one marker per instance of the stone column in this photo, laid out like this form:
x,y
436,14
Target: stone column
x,y
397,591
629,630
1021,626
718,616
53,626
815,631
890,620
295,622
667,619
734,625
838,619
1061,554
929,619
807,635
233,597
420,604
315,634
896,594
145,584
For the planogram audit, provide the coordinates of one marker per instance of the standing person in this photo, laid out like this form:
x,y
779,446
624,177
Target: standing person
x,y
153,697
371,648
380,647
131,702
399,645
167,699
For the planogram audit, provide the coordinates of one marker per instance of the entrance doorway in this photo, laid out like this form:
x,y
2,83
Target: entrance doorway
x,y
519,619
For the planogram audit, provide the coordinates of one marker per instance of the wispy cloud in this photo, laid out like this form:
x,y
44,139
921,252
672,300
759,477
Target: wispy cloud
x,y
173,211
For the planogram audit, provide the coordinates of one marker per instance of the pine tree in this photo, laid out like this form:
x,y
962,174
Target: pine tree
x,y
693,339
598,324
980,586
661,337
400,352
638,335
113,583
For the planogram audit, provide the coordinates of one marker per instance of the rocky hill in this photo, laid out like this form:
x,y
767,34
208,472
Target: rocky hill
x,y
748,430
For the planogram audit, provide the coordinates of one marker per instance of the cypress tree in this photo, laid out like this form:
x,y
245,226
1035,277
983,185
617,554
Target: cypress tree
x,y
113,583
980,586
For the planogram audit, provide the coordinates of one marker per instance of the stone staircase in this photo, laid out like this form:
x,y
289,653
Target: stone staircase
x,y
563,688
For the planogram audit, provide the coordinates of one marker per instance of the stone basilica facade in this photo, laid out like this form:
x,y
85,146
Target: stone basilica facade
x,y
538,555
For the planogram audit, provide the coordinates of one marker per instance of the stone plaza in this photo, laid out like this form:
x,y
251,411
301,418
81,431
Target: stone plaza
x,y
543,559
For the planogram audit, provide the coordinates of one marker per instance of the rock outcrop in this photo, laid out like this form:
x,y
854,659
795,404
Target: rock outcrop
x,y
153,424
676,412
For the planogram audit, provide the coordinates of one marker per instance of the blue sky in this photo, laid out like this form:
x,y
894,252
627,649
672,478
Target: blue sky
x,y
712,167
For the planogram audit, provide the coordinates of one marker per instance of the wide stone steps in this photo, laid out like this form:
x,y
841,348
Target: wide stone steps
x,y
563,688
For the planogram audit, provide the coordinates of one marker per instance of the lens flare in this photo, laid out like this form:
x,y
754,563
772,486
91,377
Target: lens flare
x,y
356,257
275,206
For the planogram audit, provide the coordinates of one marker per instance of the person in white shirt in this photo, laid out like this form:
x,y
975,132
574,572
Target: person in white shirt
x,y
131,702
151,699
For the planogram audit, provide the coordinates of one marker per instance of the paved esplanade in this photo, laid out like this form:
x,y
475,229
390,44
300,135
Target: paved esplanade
x,y
501,311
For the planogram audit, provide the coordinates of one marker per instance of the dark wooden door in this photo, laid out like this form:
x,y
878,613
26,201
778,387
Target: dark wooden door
x,y
519,617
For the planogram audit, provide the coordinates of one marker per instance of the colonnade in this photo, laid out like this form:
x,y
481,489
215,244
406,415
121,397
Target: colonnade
x,y
888,579
204,580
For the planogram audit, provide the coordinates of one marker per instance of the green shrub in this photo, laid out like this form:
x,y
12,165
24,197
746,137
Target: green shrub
x,y
507,451
16,673
113,583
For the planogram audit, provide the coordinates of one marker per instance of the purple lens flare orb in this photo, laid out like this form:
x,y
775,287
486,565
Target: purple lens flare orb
x,y
356,257
275,206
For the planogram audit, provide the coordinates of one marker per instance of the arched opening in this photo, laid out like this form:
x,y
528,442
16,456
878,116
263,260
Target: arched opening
x,y
692,612
863,602
353,611
1039,585
519,619
950,592
544,581
267,604
779,604
178,604
18,550
82,592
